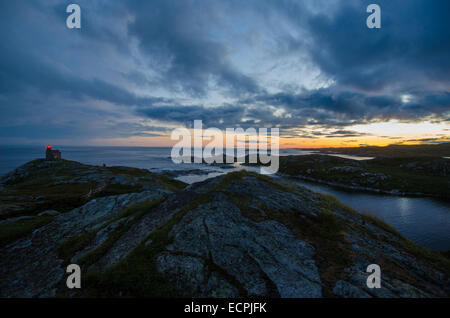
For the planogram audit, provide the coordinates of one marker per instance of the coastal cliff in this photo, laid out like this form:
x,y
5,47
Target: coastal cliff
x,y
135,233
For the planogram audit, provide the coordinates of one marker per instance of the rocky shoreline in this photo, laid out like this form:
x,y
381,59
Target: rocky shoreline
x,y
410,176
359,188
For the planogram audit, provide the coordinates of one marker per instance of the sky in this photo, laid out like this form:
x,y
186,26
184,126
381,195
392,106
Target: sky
x,y
136,70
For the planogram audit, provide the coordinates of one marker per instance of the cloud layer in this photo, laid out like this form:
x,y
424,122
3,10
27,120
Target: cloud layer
x,y
138,67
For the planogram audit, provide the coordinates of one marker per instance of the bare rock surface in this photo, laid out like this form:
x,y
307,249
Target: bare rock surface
x,y
31,267
62,185
236,235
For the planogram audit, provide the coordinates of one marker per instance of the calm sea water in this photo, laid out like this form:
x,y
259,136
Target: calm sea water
x,y
424,221
139,157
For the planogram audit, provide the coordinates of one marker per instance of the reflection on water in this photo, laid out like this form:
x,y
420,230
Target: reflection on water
x,y
192,178
425,221
350,157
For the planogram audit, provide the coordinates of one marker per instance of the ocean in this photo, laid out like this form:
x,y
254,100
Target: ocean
x,y
155,159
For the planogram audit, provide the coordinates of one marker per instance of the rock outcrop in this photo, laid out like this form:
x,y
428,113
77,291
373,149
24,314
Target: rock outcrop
x,y
236,235
31,266
62,185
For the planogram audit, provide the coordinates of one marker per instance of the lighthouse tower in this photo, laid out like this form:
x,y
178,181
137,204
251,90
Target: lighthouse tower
x,y
52,154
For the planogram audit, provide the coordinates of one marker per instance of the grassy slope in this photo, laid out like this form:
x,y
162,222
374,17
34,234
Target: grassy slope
x,y
45,188
9,232
42,189
427,150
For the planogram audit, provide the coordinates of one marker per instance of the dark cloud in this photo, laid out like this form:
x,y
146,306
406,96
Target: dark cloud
x,y
335,108
177,61
325,134
411,48
430,140
221,117
177,34
345,134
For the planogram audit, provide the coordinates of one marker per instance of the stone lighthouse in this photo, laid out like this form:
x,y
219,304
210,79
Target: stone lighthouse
x,y
52,154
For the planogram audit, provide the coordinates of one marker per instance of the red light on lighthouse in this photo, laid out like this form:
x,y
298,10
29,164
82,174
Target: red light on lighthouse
x,y
51,154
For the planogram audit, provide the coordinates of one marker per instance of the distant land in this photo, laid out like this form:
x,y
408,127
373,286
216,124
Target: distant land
x,y
413,176
427,150
413,170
